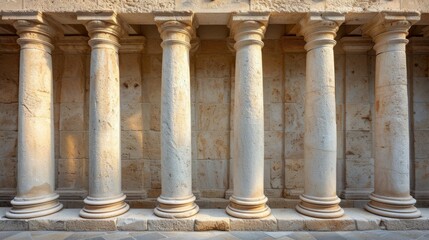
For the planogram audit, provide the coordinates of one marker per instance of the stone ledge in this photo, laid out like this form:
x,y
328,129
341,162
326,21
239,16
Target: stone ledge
x,y
214,219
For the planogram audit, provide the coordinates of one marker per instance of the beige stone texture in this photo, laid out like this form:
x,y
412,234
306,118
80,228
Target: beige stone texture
x,y
209,220
268,223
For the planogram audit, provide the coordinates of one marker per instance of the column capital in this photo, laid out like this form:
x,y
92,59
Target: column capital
x,y
104,28
390,29
33,28
176,27
356,45
248,28
320,28
134,44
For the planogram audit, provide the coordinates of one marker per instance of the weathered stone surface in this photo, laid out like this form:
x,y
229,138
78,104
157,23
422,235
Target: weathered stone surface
x,y
133,220
208,219
268,223
165,224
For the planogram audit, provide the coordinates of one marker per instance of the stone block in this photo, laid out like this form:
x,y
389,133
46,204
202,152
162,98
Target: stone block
x,y
155,117
358,144
133,220
9,140
273,144
420,65
9,116
272,65
276,173
212,220
155,169
132,144
213,66
8,89
72,117
360,173
276,90
91,225
421,166
288,220
213,90
294,145
268,223
421,142
8,173
364,220
357,65
392,224
132,116
13,224
212,174
152,145
343,223
71,173
132,174
73,88
131,91
155,223
358,117
151,90
294,173
73,145
213,145
276,117
421,116
357,89
46,224
213,117
420,89
294,64
294,117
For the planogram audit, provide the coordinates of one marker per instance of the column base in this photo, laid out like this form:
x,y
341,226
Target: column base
x,y
97,208
24,208
248,208
320,207
176,208
393,207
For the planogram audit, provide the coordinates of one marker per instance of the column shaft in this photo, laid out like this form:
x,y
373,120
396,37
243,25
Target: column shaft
x,y
105,197
248,199
177,199
320,138
36,160
391,196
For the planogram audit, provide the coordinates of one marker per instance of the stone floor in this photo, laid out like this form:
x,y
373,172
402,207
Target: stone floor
x,y
357,235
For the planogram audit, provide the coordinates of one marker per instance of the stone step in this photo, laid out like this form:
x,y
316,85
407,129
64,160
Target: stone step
x,y
214,219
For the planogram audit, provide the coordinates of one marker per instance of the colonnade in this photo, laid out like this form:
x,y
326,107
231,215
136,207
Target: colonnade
x,y
35,191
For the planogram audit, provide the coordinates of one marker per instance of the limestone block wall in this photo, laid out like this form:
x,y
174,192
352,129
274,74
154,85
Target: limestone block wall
x,y
212,87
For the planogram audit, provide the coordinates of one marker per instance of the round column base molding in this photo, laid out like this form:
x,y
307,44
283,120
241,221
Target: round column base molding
x,y
24,209
320,207
393,207
249,209
104,208
176,208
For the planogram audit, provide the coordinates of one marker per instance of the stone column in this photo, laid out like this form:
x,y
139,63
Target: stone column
x,y
320,134
35,195
248,199
177,199
391,196
105,198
